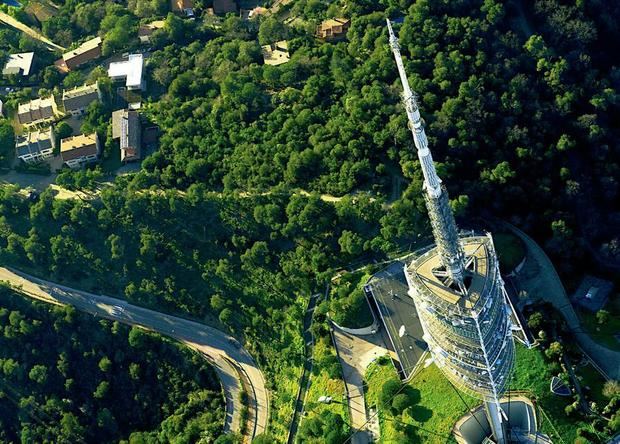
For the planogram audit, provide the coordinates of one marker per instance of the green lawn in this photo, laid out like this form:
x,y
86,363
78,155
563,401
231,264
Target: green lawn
x,y
510,250
590,377
602,333
440,406
532,374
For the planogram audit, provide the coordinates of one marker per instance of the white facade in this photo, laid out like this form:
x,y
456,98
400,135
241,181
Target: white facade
x,y
81,161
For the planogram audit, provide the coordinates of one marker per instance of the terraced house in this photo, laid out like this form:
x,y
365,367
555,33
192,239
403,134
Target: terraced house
x,y
76,101
37,111
36,146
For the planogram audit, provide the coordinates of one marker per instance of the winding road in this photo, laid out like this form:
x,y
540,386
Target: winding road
x,y
232,362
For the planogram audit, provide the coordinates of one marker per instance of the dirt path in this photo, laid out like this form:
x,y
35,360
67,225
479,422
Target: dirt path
x,y
8,20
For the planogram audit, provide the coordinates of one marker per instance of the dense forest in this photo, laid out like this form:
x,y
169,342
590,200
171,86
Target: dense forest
x,y
268,178
69,378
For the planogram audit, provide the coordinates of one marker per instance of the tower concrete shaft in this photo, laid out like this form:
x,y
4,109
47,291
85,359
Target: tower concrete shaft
x,y
437,202
458,290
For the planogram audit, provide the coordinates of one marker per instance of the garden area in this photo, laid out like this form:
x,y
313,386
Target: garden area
x,y
425,409
326,380
348,305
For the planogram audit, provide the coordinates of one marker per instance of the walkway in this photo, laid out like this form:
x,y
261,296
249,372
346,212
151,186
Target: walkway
x,y
540,279
355,354
227,355
8,20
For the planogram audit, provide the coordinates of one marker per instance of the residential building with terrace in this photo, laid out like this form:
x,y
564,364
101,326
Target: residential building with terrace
x,y
37,111
75,101
333,29
80,150
276,53
86,52
130,71
126,128
36,146
18,64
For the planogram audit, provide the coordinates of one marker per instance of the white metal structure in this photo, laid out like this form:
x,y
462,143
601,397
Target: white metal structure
x,y
457,288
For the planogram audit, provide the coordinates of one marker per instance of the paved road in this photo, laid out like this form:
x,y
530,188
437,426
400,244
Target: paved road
x,y
7,19
223,351
541,280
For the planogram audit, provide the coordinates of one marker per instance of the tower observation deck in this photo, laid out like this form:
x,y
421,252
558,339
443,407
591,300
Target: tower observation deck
x,y
457,288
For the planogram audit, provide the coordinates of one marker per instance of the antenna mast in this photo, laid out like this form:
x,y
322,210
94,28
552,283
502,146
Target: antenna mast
x,y
437,202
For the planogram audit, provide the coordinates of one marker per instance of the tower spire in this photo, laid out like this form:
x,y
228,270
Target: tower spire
x,y
437,203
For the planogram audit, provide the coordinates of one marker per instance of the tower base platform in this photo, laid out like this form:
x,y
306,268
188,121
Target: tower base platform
x,y
475,428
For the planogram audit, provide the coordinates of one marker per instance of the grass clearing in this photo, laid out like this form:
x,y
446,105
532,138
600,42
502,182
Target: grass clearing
x,y
322,384
432,418
532,373
440,406
602,333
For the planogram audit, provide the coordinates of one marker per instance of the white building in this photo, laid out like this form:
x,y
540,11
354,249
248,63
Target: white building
x,y
129,70
18,64
36,146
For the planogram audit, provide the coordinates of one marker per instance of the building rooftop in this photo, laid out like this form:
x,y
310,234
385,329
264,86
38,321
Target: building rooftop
x,y
276,53
84,47
80,91
72,147
131,69
148,28
126,127
224,6
36,103
592,293
19,63
330,23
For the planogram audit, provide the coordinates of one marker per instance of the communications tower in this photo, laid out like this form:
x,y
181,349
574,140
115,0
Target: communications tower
x,y
457,289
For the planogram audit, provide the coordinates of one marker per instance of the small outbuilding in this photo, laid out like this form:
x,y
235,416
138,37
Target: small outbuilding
x,y
592,293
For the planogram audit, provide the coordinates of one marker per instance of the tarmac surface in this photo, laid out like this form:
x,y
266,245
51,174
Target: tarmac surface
x,y
398,315
231,361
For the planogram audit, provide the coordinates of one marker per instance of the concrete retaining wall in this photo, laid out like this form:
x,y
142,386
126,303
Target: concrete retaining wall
x,y
359,331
